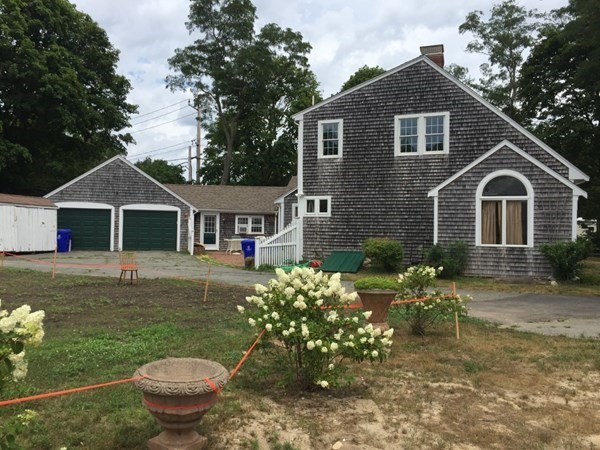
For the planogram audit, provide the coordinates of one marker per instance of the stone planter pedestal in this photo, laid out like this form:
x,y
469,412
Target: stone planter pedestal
x,y
178,392
377,301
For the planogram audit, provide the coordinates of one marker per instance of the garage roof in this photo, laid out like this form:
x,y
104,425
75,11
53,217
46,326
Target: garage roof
x,y
248,199
25,200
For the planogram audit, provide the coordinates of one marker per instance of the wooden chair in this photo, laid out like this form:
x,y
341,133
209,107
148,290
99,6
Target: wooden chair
x,y
128,264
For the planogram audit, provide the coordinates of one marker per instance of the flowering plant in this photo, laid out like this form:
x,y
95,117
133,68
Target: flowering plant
x,y
19,328
433,306
305,311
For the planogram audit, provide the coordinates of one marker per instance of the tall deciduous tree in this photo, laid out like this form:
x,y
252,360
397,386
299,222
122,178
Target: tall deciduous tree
x,y
505,38
247,82
162,171
365,73
561,91
62,103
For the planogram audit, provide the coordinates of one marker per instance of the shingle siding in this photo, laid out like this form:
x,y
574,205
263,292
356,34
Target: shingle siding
x,y
375,193
118,184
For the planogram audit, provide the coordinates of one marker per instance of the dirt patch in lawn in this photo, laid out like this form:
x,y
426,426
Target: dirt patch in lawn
x,y
491,389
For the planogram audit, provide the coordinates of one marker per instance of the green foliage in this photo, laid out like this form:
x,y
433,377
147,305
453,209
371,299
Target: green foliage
x,y
365,73
162,171
453,260
432,307
376,283
385,253
304,311
559,87
61,102
566,256
248,84
510,31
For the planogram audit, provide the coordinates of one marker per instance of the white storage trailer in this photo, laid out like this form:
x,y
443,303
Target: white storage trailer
x,y
27,224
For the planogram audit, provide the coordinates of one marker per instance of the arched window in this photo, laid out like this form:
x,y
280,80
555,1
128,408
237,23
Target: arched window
x,y
505,210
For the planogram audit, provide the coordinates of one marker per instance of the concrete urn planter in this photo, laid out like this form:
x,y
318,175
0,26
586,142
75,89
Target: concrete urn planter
x,y
377,301
178,392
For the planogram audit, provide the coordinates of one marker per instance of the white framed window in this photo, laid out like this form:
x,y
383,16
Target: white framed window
x,y
294,210
504,212
331,138
249,225
318,206
422,134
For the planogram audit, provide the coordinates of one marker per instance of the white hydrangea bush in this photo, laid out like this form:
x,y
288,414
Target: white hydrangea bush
x,y
434,306
306,311
18,329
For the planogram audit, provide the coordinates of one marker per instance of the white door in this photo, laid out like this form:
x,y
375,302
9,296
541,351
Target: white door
x,y
209,231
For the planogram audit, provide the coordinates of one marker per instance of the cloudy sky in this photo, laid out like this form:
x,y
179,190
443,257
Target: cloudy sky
x,y
344,34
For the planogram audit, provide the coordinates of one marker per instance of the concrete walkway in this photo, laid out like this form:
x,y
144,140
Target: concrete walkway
x,y
547,314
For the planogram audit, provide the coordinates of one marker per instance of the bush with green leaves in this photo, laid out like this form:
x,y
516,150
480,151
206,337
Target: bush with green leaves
x,y
565,257
305,311
453,259
386,254
18,329
432,306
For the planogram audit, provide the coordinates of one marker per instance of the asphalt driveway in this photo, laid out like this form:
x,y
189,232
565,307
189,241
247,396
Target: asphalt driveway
x,y
547,314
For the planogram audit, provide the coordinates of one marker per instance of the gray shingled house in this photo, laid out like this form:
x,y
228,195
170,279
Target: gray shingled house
x,y
228,211
116,206
417,156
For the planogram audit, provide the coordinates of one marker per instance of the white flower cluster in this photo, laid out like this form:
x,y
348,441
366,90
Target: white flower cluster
x,y
20,326
305,310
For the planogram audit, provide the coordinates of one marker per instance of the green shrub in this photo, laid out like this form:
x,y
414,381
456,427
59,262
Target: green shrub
x,y
453,259
565,257
385,253
376,283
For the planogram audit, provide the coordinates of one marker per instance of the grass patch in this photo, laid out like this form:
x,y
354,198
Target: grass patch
x,y
492,388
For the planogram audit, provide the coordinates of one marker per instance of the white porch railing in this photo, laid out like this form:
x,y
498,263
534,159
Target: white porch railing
x,y
282,248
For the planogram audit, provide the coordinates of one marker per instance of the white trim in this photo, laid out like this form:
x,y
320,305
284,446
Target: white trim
x,y
191,231
249,217
575,174
421,133
149,207
574,217
214,246
92,205
435,220
317,199
340,138
530,207
133,166
576,190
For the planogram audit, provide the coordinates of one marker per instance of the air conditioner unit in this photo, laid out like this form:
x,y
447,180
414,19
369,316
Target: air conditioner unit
x,y
242,229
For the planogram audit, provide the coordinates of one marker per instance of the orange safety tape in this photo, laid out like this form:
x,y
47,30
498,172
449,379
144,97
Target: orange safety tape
x,y
66,391
246,354
213,386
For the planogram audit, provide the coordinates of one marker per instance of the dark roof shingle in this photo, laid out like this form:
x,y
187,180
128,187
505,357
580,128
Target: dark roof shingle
x,y
25,200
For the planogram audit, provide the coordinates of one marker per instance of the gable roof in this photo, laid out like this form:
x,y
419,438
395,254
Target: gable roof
x,y
575,174
133,166
576,190
225,198
25,200
291,187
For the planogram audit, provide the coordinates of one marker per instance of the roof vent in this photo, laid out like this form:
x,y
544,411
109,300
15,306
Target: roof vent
x,y
435,53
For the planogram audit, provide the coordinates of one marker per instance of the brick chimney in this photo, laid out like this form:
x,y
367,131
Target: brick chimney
x,y
434,53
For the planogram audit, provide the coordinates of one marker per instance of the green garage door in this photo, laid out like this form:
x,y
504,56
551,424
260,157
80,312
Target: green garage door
x,y
90,227
149,230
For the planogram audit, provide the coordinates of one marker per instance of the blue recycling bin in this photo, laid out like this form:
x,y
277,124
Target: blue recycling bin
x,y
63,240
248,246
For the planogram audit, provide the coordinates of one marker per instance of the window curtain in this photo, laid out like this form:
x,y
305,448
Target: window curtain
x,y
490,222
514,223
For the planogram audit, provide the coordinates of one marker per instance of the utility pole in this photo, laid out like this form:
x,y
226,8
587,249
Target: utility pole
x,y
190,164
198,150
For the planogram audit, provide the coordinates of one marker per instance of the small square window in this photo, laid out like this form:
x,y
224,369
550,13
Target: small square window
x,y
318,206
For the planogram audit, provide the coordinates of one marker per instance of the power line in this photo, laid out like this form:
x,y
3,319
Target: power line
x,y
162,148
156,117
161,124
141,155
160,109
